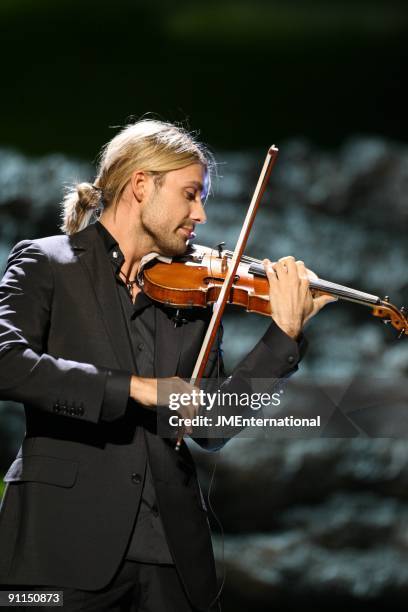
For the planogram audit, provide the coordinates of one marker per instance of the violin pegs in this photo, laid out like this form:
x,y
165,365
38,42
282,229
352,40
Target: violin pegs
x,y
220,249
387,298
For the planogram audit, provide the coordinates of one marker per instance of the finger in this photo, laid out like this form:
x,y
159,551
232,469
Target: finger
x,y
283,269
270,270
311,274
324,299
280,269
289,264
305,285
185,431
189,416
302,270
192,410
286,259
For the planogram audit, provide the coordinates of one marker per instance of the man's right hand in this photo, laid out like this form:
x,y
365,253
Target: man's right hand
x,y
145,392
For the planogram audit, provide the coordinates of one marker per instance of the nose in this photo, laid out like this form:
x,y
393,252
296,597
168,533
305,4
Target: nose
x,y
197,211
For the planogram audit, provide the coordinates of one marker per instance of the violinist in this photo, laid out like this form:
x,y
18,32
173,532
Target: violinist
x,y
97,505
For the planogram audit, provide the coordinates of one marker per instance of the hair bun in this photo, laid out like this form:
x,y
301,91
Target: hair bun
x,y
88,196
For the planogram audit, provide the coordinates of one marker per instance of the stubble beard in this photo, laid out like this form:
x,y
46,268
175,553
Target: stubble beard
x,y
167,241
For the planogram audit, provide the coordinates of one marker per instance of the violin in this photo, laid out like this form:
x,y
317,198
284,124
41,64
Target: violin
x,y
195,280
204,276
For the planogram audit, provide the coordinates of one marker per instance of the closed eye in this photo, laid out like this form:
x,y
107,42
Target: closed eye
x,y
190,196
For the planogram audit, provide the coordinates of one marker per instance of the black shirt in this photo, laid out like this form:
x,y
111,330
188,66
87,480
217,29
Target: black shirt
x,y
148,542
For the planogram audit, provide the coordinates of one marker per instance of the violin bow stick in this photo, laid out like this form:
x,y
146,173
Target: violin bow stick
x,y
221,302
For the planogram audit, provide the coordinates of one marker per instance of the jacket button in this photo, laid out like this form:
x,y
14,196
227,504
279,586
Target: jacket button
x,y
155,510
136,478
291,359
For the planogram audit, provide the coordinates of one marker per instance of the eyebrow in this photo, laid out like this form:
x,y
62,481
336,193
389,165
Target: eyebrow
x,y
196,184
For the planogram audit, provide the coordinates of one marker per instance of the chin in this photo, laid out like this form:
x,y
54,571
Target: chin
x,y
174,249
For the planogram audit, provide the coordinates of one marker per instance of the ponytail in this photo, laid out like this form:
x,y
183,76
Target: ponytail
x,y
78,206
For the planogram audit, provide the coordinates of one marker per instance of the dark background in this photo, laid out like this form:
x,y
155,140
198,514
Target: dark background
x,y
238,71
316,520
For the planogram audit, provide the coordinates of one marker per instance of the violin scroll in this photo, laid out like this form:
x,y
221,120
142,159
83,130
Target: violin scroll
x,y
391,315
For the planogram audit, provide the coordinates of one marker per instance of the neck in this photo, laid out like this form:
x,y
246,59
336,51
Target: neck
x,y
134,244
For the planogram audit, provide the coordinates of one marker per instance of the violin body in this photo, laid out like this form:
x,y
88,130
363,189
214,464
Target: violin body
x,y
195,280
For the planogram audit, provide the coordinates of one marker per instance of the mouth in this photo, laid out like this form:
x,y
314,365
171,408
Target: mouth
x,y
187,232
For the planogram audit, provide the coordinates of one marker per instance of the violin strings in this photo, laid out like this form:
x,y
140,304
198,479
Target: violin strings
x,y
345,293
244,258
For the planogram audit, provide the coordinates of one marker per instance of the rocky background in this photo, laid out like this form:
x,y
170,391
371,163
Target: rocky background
x,y
321,520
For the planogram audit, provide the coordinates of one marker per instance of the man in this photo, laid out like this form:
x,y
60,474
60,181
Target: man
x,y
98,504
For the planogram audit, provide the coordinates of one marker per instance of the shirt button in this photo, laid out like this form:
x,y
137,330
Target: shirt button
x,y
115,254
136,478
140,346
291,359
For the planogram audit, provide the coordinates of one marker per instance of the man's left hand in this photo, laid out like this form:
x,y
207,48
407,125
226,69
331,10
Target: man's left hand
x,y
292,303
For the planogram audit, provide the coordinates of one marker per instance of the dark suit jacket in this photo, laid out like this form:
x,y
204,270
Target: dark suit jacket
x,y
72,493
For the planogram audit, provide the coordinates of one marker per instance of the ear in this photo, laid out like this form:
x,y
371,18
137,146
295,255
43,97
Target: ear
x,y
140,183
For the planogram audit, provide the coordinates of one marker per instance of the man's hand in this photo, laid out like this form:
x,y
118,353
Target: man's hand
x,y
292,303
146,392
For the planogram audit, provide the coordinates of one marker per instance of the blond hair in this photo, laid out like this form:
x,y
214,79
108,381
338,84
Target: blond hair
x,y
154,146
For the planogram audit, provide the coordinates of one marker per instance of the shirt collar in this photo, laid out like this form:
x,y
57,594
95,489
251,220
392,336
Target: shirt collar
x,y
111,245
116,255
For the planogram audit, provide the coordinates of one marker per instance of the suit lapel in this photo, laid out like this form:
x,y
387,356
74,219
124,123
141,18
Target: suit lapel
x,y
98,268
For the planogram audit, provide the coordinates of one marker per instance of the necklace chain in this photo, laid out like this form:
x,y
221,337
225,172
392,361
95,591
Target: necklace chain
x,y
129,283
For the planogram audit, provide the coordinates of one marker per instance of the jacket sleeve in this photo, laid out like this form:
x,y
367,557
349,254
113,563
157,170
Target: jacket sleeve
x,y
27,373
274,357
